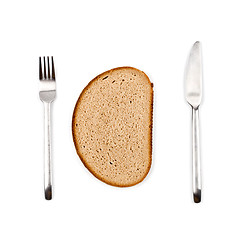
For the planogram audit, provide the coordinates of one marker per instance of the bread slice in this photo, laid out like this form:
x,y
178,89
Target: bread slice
x,y
112,126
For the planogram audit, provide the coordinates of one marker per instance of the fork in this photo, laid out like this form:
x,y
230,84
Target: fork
x,y
47,94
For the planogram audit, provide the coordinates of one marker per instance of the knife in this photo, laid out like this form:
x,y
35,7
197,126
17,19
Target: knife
x,y
193,95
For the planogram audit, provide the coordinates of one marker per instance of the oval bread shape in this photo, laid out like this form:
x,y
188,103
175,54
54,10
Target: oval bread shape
x,y
112,126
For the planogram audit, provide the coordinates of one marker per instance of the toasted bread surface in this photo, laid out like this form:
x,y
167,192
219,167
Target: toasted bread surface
x,y
112,126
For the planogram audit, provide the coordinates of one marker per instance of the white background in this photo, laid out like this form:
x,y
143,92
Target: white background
x,y
87,38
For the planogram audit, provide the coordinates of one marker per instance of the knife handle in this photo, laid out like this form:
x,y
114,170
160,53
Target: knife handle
x,y
196,163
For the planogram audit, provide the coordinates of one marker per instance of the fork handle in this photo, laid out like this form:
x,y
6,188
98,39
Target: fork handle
x,y
196,164
47,152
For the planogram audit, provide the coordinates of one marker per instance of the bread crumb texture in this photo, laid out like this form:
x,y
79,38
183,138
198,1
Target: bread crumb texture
x,y
112,126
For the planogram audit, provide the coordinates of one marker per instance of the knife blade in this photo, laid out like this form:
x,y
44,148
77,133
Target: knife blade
x,y
193,76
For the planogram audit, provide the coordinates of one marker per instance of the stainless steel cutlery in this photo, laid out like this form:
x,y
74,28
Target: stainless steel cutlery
x,y
47,94
193,95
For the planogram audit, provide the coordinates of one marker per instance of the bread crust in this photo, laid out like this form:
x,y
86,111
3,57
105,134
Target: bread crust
x,y
74,127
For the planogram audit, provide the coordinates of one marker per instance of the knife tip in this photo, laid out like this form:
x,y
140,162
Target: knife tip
x,y
197,44
196,48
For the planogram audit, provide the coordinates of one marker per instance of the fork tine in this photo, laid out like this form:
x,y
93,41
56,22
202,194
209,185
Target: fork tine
x,y
48,66
44,68
53,70
40,69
